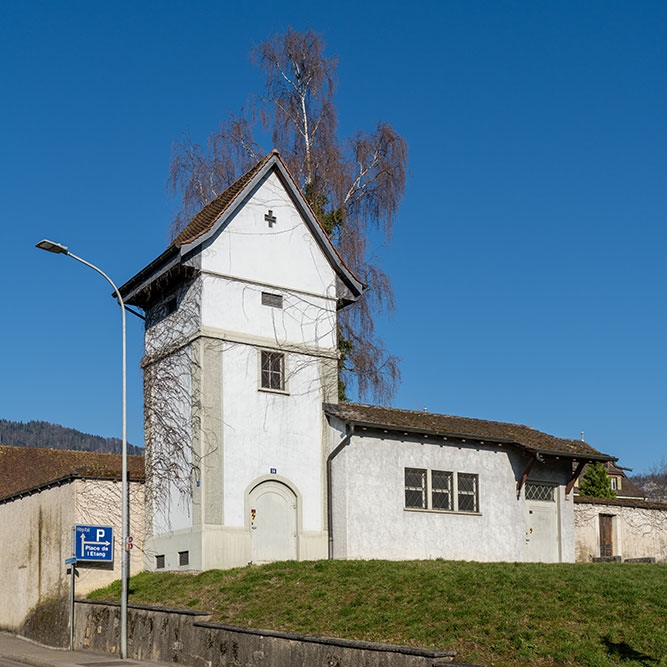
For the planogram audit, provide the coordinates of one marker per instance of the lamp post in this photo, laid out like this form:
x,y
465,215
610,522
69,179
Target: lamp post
x,y
57,248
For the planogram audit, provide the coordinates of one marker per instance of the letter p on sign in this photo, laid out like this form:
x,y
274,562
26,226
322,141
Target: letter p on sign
x,y
100,534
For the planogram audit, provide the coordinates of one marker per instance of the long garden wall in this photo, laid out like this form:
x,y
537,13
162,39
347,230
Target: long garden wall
x,y
188,638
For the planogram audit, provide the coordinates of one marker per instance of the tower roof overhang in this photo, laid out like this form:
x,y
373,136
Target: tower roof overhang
x,y
178,262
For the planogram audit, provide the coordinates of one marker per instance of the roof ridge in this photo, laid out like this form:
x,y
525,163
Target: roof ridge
x,y
256,167
240,183
444,414
305,199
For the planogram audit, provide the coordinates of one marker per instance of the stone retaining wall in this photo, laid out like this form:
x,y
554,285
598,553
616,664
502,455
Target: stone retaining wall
x,y
639,530
187,637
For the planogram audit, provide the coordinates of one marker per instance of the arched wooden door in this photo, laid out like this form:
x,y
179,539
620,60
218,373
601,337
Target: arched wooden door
x,y
273,523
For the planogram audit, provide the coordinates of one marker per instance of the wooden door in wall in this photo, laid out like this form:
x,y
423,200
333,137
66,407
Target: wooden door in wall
x,y
273,523
606,541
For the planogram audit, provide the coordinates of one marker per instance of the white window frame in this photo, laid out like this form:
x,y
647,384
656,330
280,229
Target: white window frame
x,y
475,492
423,489
454,493
260,387
450,491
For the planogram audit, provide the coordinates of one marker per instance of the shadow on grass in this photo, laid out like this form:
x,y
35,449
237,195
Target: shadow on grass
x,y
625,653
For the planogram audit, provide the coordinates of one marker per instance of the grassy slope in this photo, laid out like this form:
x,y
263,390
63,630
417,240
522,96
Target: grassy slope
x,y
501,613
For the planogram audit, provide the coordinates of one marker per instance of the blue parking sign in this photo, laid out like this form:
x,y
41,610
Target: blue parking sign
x,y
93,543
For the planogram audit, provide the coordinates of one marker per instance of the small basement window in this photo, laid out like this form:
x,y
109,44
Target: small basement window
x,y
159,562
272,300
183,558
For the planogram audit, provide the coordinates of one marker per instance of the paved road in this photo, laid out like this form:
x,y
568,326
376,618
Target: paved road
x,y
10,663
18,652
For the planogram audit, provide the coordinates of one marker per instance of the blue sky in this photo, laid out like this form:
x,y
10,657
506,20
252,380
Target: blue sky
x,y
528,255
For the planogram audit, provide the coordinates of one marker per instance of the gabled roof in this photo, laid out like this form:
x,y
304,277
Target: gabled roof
x,y
214,214
26,468
523,437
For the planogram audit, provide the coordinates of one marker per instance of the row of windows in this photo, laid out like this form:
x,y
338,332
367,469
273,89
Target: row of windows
x,y
457,491
441,490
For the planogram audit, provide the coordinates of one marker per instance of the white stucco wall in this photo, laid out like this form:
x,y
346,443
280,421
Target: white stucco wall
x,y
36,540
636,532
264,430
370,519
235,307
285,255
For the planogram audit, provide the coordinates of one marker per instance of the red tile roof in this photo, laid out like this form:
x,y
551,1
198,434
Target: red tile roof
x,y
204,220
23,468
524,436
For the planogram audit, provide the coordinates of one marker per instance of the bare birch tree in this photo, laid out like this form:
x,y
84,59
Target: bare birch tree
x,y
354,185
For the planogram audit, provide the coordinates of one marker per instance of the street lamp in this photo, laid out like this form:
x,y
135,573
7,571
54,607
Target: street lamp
x,y
57,248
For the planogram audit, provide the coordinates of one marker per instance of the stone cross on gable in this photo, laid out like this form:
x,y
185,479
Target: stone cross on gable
x,y
270,218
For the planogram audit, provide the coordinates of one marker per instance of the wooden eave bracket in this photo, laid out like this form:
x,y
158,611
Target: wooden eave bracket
x,y
575,475
524,475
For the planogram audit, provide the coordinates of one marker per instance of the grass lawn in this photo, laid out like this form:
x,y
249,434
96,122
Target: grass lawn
x,y
524,614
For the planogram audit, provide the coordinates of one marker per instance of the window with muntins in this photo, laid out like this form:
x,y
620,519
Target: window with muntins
x,y
441,490
468,499
415,488
272,370
159,562
540,491
183,558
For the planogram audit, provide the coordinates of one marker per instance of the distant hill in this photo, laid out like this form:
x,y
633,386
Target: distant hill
x,y
45,434
653,483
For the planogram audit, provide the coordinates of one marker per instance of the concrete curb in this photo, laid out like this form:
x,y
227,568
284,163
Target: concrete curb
x,y
27,660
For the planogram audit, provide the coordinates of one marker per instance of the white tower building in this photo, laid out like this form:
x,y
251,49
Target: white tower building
x,y
241,354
